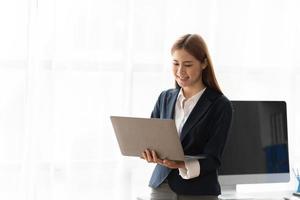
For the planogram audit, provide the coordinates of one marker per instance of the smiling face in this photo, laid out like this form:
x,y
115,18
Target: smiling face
x,y
187,71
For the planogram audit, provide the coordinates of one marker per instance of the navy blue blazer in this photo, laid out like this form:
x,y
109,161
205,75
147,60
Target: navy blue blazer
x,y
204,132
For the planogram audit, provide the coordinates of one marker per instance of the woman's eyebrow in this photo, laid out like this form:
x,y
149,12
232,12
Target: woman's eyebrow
x,y
186,61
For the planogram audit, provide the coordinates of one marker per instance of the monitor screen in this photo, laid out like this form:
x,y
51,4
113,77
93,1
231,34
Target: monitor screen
x,y
256,150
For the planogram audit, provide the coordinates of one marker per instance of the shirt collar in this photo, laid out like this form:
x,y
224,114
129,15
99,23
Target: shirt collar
x,y
181,98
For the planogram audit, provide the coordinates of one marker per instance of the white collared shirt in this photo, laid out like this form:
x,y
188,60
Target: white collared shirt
x,y
183,109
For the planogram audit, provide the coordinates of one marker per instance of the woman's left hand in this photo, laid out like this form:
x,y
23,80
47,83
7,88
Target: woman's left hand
x,y
173,164
151,156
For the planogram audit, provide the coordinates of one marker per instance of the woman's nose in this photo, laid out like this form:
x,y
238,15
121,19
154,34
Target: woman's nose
x,y
180,70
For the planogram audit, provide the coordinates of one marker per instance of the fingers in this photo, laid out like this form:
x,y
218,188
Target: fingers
x,y
155,158
148,156
151,156
143,156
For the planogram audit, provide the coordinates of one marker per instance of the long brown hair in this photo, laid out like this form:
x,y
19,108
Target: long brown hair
x,y
195,45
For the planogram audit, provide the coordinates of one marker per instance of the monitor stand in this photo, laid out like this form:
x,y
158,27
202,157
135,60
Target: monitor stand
x,y
229,192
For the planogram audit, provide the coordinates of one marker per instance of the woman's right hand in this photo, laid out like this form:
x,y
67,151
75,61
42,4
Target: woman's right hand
x,y
151,157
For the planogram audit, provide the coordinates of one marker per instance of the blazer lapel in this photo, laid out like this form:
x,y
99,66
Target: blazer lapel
x,y
199,110
171,112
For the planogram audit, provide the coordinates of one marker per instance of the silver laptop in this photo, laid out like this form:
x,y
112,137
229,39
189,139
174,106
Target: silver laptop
x,y
134,135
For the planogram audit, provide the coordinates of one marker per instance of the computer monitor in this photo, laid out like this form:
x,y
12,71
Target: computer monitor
x,y
256,150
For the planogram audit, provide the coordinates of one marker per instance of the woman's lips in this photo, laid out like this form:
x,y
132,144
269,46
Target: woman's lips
x,y
183,78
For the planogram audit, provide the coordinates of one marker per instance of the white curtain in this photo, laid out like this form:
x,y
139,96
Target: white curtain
x,y
67,65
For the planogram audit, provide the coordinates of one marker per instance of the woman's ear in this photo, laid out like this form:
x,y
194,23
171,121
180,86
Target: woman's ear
x,y
204,63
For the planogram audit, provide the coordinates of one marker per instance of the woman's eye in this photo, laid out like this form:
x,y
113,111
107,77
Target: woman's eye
x,y
175,64
187,65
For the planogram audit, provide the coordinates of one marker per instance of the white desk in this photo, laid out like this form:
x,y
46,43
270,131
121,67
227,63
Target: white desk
x,y
274,195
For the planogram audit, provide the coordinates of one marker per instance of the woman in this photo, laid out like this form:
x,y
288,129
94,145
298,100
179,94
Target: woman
x,y
202,115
